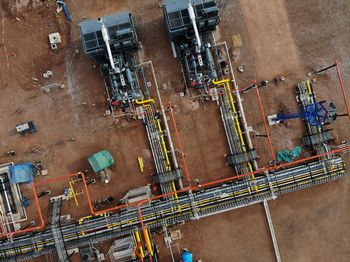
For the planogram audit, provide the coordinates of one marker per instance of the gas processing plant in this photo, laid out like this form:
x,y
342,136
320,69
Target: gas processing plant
x,y
133,224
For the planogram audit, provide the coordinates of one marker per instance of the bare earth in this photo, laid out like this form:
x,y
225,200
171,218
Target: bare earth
x,y
279,37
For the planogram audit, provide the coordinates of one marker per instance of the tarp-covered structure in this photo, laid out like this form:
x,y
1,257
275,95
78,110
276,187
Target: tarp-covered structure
x,y
101,160
22,173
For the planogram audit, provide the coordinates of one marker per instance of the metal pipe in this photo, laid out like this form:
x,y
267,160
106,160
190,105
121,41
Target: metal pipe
x,y
265,125
317,72
250,146
210,62
142,70
342,88
240,104
130,78
190,188
165,121
180,146
272,231
106,38
194,24
210,194
7,204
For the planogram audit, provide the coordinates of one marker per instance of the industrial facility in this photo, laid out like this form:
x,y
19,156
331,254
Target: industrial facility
x,y
167,121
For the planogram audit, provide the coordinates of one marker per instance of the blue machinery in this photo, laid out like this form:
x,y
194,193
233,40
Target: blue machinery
x,y
315,114
187,206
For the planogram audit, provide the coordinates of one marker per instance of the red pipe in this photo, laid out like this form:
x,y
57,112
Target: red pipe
x,y
215,182
180,145
42,221
276,167
90,203
263,116
342,88
42,225
139,203
55,179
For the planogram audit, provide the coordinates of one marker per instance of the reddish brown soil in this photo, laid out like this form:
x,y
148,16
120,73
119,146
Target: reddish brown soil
x,y
280,37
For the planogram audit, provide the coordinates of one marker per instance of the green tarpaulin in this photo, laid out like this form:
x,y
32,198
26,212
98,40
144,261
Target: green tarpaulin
x,y
101,160
287,155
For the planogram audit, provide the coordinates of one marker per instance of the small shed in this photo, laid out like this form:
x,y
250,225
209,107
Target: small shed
x,y
22,173
101,160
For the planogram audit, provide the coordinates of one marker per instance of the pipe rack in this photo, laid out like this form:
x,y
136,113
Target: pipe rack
x,y
160,212
317,136
232,127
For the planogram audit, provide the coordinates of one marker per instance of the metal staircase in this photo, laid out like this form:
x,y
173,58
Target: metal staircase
x,y
57,232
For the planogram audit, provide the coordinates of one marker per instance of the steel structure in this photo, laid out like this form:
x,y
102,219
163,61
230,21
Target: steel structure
x,y
166,174
190,25
112,41
240,156
12,211
317,135
57,234
316,114
158,213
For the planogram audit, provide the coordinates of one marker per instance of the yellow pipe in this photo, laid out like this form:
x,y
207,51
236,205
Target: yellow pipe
x,y
165,151
242,191
163,143
235,111
140,161
147,106
73,193
138,239
221,82
159,127
176,196
83,218
148,241
106,215
135,242
235,117
157,122
308,86
144,101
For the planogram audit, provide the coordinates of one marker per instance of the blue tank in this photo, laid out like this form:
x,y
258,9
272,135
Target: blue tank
x,y
186,256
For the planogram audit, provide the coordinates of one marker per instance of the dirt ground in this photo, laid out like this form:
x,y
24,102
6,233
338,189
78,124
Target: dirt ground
x,y
279,37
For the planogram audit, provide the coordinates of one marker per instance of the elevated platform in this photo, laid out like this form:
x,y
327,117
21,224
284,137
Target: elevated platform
x,y
201,203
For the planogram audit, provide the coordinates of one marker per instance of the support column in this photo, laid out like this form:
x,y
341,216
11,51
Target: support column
x,y
272,231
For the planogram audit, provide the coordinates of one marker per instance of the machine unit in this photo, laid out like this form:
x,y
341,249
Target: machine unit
x,y
112,40
178,19
190,25
12,210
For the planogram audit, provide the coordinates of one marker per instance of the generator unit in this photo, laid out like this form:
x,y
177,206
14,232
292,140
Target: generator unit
x,y
112,40
190,24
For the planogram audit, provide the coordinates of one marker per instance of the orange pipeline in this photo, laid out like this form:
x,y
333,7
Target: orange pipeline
x,y
204,185
215,182
262,113
42,221
180,145
342,88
